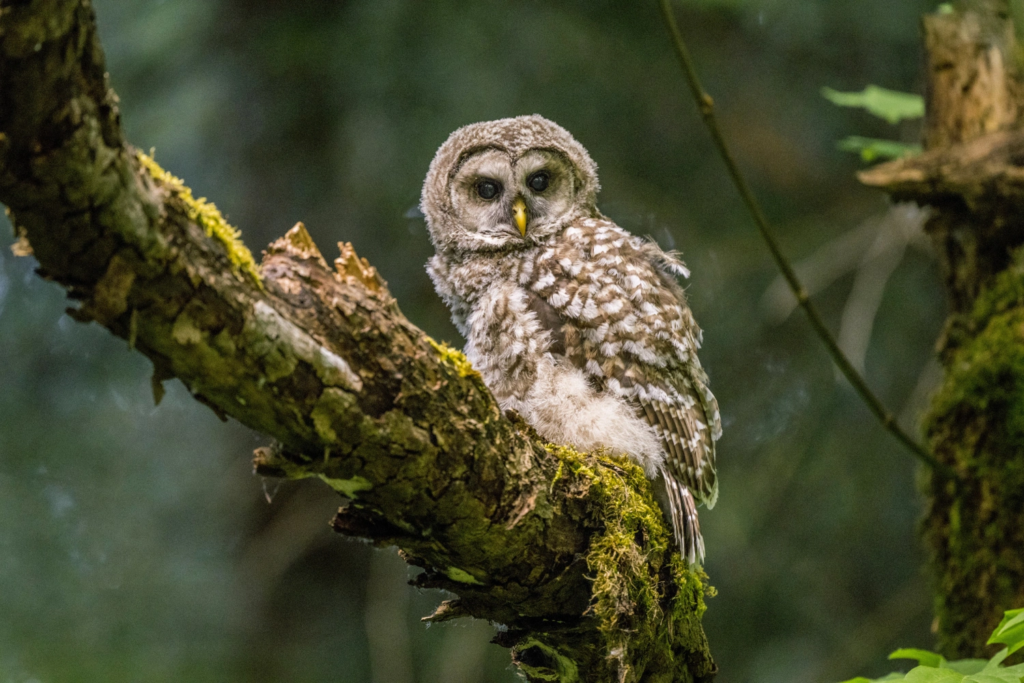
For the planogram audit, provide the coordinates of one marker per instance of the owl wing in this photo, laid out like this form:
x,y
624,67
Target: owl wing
x,y
610,304
686,432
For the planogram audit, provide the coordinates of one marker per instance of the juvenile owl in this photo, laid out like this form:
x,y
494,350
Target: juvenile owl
x,y
573,322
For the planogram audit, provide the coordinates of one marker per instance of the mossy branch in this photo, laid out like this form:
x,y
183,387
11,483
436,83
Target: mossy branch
x,y
567,550
205,213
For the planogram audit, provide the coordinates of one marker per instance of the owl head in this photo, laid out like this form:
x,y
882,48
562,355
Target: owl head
x,y
507,184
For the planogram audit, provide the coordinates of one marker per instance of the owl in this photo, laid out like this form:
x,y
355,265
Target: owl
x,y
574,323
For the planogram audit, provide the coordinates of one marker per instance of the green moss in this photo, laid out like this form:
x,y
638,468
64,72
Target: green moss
x,y
347,487
688,604
564,670
462,576
986,374
626,559
624,586
206,214
976,423
1007,291
558,475
454,358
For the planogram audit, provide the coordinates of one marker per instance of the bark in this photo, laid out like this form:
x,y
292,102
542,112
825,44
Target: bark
x,y
972,175
568,551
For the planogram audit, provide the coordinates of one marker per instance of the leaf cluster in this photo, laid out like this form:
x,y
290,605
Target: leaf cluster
x,y
892,106
934,668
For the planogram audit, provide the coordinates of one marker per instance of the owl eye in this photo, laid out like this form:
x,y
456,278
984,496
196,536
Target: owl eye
x,y
538,182
488,189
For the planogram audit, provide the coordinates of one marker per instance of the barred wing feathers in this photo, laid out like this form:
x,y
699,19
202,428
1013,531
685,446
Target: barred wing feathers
x,y
611,305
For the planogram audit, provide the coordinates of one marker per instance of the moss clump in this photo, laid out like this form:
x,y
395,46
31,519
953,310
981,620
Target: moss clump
x,y
985,376
206,214
563,671
976,424
627,559
454,358
688,605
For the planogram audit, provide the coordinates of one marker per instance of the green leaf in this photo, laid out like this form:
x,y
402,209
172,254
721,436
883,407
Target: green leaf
x,y
886,104
945,8
931,674
923,657
967,666
1016,670
894,676
1010,631
872,149
996,676
997,659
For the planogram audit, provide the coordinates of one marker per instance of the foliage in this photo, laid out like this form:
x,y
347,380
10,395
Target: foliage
x,y
892,106
873,149
933,668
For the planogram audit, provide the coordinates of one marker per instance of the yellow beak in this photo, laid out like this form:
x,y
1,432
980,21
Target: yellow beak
x,y
519,214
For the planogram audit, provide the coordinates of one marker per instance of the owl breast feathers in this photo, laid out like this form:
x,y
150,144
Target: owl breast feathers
x,y
573,322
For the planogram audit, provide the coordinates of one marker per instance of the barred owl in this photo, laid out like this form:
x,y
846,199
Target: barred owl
x,y
573,322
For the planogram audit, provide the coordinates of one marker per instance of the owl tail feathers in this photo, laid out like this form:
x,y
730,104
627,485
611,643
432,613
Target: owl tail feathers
x,y
683,512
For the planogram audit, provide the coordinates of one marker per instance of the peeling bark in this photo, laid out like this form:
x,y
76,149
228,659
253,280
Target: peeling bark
x,y
969,58
973,178
568,551
976,189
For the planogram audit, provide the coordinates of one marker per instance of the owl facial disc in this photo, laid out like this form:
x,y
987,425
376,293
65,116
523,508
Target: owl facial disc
x,y
507,184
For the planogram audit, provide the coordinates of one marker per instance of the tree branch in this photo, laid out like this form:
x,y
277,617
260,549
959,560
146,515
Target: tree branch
x,y
567,550
706,106
977,191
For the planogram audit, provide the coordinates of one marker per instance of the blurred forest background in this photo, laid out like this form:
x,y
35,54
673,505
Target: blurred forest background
x,y
135,544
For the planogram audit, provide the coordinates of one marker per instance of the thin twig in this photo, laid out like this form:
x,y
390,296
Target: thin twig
x,y
707,111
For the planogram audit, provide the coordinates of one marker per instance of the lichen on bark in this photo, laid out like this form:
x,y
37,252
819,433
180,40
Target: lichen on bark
x,y
207,215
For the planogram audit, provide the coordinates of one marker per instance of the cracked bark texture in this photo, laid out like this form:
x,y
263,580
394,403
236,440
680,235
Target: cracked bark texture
x,y
972,176
566,550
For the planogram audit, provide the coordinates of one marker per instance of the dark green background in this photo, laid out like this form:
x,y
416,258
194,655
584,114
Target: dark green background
x,y
135,544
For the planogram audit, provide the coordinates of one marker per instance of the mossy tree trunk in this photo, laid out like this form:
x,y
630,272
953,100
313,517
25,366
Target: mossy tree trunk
x,y
567,550
972,175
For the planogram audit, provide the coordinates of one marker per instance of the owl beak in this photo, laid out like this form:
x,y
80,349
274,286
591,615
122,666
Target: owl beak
x,y
519,215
